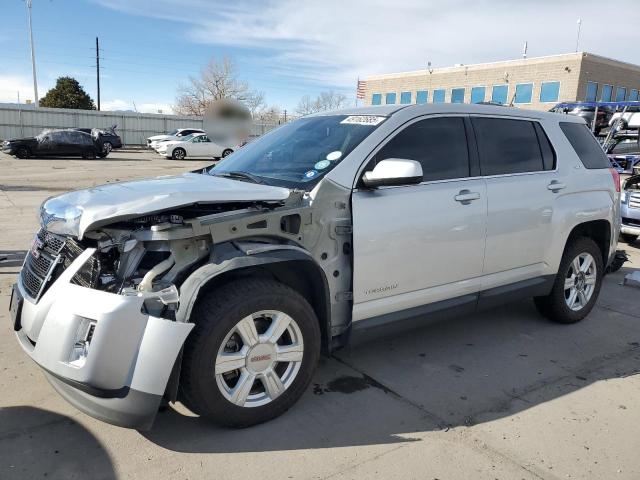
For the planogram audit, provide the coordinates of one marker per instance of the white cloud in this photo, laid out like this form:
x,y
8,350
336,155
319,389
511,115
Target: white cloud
x,y
14,86
331,42
119,104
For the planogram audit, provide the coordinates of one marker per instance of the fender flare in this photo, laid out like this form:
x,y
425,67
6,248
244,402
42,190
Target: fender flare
x,y
234,256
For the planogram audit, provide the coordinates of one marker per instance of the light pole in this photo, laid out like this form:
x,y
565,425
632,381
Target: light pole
x,y
33,56
578,36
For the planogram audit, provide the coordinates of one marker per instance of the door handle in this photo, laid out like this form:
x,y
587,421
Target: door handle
x,y
465,197
556,186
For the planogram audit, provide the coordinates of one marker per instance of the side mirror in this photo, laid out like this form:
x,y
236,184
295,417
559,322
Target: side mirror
x,y
393,171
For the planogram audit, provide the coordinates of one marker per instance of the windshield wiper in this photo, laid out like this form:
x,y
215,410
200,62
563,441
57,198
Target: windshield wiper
x,y
240,175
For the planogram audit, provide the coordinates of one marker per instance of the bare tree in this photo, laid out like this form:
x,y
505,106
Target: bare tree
x,y
332,100
255,102
217,81
272,114
325,101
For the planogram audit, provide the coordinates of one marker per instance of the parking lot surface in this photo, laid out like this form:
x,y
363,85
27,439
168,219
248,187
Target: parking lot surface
x,y
502,394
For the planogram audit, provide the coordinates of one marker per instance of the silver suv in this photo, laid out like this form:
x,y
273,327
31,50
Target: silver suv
x,y
221,287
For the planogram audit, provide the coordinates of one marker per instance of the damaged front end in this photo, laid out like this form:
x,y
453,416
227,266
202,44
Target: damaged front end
x,y
98,313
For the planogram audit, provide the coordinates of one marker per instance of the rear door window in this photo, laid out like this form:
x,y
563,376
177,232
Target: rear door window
x,y
507,146
439,144
585,145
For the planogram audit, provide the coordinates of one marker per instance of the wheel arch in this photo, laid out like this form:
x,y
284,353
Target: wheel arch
x,y
290,265
599,231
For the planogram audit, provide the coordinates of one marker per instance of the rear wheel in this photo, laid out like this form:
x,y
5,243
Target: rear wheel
x,y
227,152
23,152
577,283
179,154
629,238
252,353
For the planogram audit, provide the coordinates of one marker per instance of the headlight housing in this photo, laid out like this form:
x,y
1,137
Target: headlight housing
x,y
60,217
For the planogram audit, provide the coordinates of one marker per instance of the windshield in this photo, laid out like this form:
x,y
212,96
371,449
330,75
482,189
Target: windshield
x,y
172,132
187,138
299,154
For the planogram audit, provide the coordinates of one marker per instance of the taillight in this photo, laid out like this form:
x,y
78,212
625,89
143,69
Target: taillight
x,y
616,178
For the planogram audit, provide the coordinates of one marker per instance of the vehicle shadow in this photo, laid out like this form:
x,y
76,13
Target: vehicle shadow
x,y
37,443
133,158
12,258
458,372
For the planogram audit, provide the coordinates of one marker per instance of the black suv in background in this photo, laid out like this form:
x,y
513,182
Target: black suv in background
x,y
58,143
588,112
111,138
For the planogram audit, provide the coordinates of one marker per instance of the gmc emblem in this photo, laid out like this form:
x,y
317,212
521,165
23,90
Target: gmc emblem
x,y
260,358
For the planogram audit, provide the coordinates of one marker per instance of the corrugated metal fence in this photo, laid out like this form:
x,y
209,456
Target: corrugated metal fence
x,y
134,128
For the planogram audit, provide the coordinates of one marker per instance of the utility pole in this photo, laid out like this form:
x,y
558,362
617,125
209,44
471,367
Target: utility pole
x,y
33,56
98,69
578,36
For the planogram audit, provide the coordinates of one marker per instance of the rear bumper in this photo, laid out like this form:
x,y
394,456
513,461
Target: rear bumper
x,y
129,358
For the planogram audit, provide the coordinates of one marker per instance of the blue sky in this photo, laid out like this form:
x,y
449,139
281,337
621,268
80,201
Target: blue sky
x,y
286,48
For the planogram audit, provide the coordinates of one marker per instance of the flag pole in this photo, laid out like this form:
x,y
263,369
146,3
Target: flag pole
x,y
357,86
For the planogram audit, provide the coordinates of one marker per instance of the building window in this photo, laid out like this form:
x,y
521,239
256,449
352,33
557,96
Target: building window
x,y
390,98
607,93
477,94
405,97
524,93
438,96
422,96
592,92
499,93
549,91
621,94
457,95
633,95
376,99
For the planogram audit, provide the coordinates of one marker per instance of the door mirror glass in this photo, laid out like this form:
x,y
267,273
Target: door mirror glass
x,y
393,171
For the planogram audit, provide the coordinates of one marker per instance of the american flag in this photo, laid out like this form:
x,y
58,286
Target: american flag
x,y
362,85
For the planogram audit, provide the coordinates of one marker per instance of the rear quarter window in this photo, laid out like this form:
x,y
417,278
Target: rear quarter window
x,y
585,145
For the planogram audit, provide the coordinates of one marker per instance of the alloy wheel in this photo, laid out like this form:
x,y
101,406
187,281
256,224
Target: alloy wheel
x,y
259,358
580,282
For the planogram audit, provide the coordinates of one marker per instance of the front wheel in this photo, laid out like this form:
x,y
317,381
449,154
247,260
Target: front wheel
x,y
23,152
252,353
227,152
576,285
179,154
106,148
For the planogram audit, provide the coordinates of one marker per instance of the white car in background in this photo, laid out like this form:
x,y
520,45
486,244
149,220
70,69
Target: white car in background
x,y
630,119
178,134
196,145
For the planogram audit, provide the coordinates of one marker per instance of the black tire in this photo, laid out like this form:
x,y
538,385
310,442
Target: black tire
x,y
179,154
554,306
106,148
215,316
23,152
226,152
629,238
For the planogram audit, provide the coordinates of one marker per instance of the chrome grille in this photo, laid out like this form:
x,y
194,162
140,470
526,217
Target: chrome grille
x,y
634,200
41,264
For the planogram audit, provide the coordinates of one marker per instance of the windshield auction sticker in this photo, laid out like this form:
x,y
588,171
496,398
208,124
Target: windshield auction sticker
x,y
363,120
